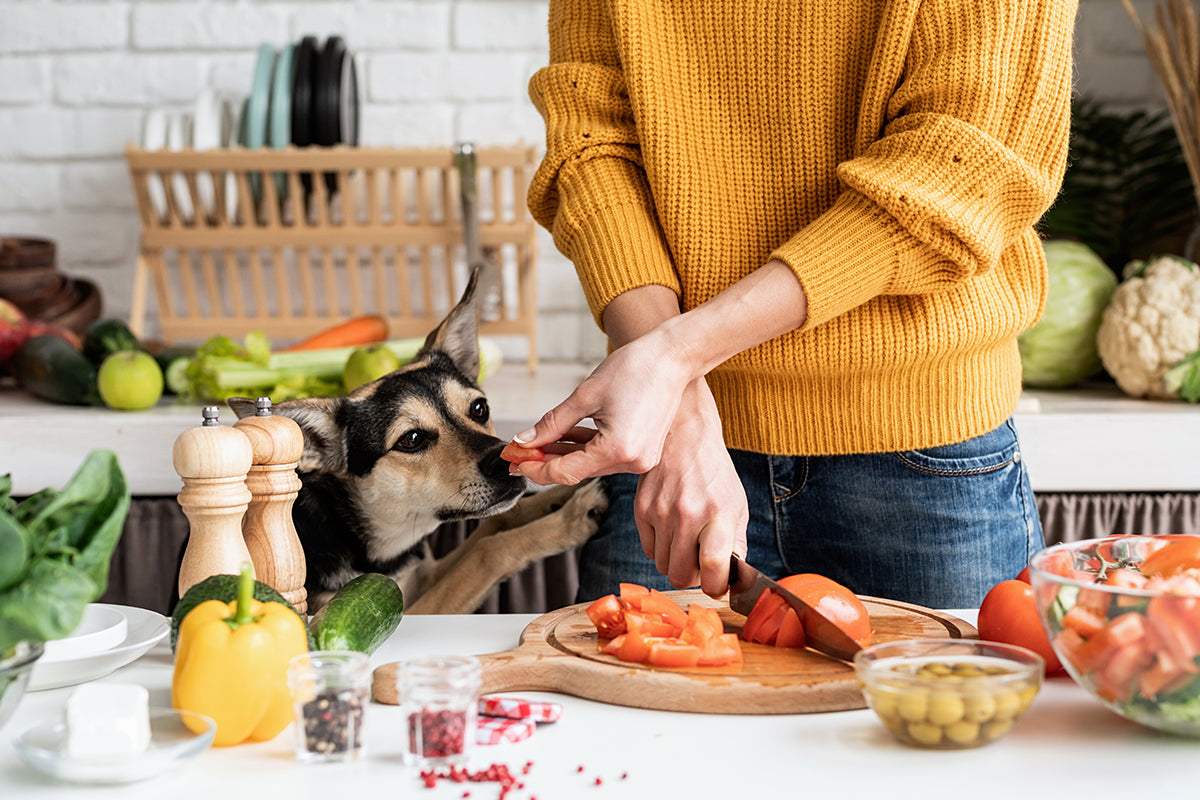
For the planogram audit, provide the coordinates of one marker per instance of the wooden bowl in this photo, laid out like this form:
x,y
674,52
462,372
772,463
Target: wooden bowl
x,y
23,252
84,311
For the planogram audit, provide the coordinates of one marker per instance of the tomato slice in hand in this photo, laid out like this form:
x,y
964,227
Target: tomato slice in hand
x,y
1009,615
517,454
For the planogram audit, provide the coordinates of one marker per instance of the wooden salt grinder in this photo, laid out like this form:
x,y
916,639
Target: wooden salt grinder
x,y
270,534
212,459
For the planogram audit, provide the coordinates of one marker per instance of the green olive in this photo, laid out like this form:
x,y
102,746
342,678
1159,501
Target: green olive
x,y
1008,705
925,733
884,703
963,732
913,705
945,707
979,707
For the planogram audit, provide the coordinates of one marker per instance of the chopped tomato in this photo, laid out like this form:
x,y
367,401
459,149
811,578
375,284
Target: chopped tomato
x,y
655,602
517,454
762,624
835,603
670,652
791,631
632,594
608,615
703,624
1177,556
1116,681
1084,621
722,649
644,624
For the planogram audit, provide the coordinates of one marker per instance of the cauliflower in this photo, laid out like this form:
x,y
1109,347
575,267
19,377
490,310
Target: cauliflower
x,y
1152,324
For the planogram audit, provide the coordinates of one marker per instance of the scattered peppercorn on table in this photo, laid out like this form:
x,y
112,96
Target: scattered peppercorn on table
x,y
1066,745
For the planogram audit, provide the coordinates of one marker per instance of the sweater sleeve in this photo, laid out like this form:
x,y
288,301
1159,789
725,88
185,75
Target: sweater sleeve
x,y
971,155
590,190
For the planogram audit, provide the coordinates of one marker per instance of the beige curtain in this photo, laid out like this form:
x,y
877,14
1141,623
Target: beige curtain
x,y
1070,516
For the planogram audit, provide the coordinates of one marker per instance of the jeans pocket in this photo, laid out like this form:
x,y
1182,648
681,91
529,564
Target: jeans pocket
x,y
988,452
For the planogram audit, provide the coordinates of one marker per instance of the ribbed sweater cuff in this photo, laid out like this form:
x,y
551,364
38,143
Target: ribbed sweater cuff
x,y
617,249
846,256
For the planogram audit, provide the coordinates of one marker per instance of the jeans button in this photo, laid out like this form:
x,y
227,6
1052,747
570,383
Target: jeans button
x,y
1017,457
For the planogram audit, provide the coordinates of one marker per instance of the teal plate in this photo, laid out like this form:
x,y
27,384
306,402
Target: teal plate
x,y
258,107
281,113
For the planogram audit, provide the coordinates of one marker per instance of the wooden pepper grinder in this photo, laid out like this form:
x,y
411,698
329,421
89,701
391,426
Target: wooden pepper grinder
x,y
212,459
270,534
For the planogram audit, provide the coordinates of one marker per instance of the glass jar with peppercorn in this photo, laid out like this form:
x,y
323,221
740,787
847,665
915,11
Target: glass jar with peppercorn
x,y
439,696
330,690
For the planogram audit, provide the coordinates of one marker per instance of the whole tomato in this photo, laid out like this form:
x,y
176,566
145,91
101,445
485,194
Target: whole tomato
x,y
1009,615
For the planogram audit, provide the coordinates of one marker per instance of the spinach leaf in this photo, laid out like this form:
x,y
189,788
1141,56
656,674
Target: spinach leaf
x,y
67,538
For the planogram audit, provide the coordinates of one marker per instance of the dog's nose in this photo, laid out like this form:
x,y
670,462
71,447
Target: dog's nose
x,y
492,466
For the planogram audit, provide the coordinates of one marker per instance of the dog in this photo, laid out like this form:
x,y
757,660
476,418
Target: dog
x,y
383,467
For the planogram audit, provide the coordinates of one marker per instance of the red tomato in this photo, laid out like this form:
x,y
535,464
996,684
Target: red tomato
x,y
720,650
632,594
651,625
1023,575
835,602
655,602
1008,615
1182,554
762,624
672,653
608,616
516,453
703,623
791,631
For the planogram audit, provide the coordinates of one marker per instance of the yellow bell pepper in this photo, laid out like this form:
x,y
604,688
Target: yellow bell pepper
x,y
231,664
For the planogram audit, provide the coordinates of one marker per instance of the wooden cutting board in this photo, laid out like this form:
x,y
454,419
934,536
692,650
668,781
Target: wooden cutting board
x,y
559,652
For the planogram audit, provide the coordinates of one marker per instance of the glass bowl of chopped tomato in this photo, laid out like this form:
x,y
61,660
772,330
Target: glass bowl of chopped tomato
x,y
1123,616
948,694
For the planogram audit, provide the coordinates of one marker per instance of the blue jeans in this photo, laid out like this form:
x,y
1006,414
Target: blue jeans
x,y
937,527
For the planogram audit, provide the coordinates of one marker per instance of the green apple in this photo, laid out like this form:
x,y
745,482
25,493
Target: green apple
x,y
366,364
130,380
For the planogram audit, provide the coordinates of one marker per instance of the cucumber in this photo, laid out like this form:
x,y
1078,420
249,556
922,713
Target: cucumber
x,y
52,369
225,589
361,616
174,361
108,336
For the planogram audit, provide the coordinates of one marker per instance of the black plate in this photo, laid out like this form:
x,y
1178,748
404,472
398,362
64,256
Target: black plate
x,y
327,126
304,78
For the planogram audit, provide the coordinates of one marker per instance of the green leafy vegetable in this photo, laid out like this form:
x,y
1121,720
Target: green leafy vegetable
x,y
55,548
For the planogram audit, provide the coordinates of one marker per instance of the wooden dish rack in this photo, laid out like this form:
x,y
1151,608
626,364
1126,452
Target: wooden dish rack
x,y
331,233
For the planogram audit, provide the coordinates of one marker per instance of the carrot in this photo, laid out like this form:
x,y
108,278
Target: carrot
x,y
356,331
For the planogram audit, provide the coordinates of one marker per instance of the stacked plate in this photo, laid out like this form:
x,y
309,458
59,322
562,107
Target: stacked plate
x,y
302,94
108,638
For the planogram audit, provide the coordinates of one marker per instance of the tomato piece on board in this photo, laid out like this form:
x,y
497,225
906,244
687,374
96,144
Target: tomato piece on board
x,y
791,631
834,601
721,650
650,625
764,608
517,454
632,594
1009,615
655,602
703,623
608,615
671,652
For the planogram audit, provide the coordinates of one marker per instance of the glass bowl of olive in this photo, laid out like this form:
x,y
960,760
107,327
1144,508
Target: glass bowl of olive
x,y
948,694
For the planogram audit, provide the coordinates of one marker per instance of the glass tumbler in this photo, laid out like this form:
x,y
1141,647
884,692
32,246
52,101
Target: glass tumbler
x,y
440,697
330,690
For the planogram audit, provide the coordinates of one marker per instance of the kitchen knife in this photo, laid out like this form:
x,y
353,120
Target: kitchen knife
x,y
746,584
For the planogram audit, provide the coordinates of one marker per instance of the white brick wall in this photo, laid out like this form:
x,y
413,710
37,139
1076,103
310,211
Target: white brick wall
x,y
76,77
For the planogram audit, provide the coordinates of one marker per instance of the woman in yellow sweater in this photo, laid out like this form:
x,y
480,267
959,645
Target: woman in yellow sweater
x,y
807,229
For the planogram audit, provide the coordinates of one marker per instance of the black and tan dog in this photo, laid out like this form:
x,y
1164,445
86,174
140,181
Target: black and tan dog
x,y
383,467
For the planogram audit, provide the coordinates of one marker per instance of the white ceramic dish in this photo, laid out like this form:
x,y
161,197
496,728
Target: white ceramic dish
x,y
179,137
102,628
144,629
154,137
43,747
212,129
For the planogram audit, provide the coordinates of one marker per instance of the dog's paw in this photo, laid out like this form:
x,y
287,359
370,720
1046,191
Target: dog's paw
x,y
582,512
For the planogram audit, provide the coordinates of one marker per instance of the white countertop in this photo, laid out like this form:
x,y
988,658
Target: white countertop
x,y
1087,440
1066,746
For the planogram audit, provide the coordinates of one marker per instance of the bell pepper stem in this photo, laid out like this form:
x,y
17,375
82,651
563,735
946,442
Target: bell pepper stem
x,y
245,596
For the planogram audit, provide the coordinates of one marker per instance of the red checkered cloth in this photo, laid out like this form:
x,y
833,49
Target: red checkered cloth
x,y
494,730
515,708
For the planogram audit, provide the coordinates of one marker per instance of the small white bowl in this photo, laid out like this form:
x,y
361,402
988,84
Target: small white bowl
x,y
43,747
102,628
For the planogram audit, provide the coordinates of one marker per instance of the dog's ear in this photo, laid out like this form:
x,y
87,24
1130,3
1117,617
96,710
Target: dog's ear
x,y
242,406
457,335
324,437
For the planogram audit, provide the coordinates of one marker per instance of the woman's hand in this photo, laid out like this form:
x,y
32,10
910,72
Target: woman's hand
x,y
631,398
690,509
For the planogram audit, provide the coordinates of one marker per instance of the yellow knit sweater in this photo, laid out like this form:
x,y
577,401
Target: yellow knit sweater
x,y
895,154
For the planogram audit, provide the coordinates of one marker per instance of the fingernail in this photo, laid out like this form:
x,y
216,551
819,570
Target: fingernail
x,y
524,436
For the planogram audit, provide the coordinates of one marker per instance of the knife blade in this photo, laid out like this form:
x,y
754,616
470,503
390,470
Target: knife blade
x,y
746,584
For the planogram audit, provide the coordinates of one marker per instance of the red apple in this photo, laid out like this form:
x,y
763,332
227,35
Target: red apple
x,y
14,329
39,328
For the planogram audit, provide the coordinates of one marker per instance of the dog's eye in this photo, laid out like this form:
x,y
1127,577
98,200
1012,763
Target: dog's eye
x,y
479,410
411,441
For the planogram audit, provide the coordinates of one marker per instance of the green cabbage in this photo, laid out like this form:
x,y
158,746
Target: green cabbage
x,y
1060,350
